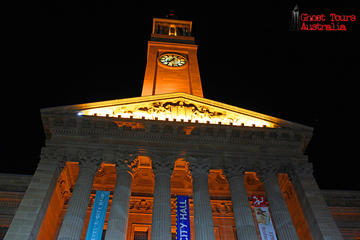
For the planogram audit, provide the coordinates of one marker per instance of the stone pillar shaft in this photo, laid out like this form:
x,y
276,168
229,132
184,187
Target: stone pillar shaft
x,y
32,209
315,209
162,165
204,225
284,226
119,212
245,227
73,222
161,212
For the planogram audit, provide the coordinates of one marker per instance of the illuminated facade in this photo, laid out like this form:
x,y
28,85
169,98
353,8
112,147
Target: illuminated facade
x,y
172,141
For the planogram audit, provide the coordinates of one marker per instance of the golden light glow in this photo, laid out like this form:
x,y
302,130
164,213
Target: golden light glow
x,y
172,30
179,110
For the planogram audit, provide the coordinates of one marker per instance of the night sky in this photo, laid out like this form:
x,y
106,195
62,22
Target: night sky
x,y
93,51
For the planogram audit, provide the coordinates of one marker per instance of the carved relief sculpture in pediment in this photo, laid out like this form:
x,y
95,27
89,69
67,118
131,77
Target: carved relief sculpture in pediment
x,y
179,109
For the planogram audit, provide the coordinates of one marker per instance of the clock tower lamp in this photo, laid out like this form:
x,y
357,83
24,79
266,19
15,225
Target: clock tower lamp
x,y
172,64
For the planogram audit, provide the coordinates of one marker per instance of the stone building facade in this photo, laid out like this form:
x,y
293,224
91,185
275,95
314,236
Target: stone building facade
x,y
343,205
171,141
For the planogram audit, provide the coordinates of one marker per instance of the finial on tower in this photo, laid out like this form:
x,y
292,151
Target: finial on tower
x,y
171,15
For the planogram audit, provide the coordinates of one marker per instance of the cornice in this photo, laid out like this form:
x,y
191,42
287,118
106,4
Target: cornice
x,y
98,129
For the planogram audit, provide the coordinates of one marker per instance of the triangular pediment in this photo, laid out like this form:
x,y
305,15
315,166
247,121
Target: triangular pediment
x,y
178,107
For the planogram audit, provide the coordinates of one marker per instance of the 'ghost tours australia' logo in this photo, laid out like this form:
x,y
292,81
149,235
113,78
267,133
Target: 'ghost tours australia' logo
x,y
320,22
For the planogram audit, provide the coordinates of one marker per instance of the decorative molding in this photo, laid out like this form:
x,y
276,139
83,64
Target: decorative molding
x,y
167,132
110,106
252,180
220,208
63,188
140,205
57,155
100,172
126,160
180,108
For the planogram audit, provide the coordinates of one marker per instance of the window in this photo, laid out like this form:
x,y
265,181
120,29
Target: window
x,y
140,235
172,30
140,232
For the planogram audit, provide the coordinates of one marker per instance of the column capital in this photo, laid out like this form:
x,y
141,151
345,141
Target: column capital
x,y
90,158
48,153
162,162
267,172
199,163
304,169
57,155
235,168
125,160
235,171
51,153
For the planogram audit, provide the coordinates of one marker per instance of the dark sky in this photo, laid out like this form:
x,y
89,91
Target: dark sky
x,y
81,51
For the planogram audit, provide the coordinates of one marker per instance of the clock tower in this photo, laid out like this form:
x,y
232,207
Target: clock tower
x,y
172,64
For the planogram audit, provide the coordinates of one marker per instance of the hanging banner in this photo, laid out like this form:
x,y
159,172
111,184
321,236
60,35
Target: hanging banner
x,y
182,218
263,218
98,214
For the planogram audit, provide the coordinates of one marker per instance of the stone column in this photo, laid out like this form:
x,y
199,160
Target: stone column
x,y
281,217
244,221
204,225
119,212
162,165
31,211
73,222
315,209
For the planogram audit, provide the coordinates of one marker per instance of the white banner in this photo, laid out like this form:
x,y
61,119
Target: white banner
x,y
266,227
263,218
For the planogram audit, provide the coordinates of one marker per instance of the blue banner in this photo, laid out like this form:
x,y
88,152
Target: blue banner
x,y
98,214
182,218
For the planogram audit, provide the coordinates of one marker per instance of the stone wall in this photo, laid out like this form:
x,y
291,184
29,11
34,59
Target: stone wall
x,y
345,209
12,190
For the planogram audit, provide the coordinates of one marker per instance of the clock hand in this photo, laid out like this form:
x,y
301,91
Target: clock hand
x,y
172,61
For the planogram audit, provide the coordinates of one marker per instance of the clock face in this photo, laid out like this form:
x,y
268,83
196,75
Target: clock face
x,y
172,60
